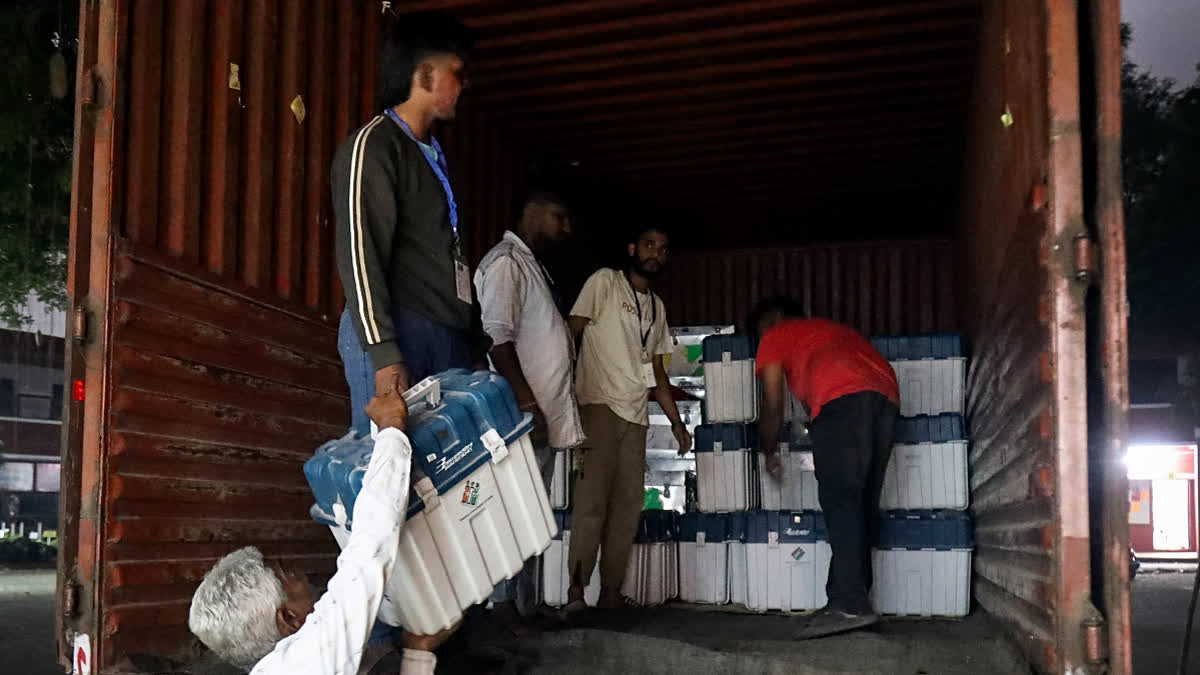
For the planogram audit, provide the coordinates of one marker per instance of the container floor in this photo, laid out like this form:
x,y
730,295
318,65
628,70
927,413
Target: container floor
x,y
684,639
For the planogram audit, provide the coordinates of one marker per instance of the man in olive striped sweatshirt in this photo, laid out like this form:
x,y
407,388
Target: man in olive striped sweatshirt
x,y
410,310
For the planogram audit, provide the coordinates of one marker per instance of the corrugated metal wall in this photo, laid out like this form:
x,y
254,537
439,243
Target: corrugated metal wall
x,y
236,126
212,367
223,367
1009,304
879,288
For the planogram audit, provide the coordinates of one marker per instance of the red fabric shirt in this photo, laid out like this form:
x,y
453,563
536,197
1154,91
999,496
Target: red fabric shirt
x,y
824,360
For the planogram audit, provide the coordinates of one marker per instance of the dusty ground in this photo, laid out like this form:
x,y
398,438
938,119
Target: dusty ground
x,y
678,640
1160,603
27,622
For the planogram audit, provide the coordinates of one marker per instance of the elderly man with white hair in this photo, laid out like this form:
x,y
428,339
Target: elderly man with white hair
x,y
255,615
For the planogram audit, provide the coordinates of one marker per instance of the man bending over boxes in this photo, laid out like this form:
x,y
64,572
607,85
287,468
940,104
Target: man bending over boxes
x,y
258,616
852,398
624,329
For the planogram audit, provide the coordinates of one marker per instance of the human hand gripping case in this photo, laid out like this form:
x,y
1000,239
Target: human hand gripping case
x,y
927,469
472,518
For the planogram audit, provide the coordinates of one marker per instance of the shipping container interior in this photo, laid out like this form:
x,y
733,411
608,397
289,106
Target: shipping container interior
x,y
905,167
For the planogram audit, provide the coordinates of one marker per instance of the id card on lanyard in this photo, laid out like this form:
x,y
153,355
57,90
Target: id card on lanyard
x,y
647,364
462,271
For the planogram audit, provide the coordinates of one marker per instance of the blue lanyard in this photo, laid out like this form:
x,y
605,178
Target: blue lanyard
x,y
439,170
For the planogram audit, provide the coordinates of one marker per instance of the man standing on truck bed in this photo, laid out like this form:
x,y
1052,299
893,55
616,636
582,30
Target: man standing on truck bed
x,y
852,398
409,312
532,348
624,329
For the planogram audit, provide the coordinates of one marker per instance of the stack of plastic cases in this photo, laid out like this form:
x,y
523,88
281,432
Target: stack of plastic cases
x,y
784,562
735,545
556,577
730,386
928,469
704,557
725,472
922,564
459,539
796,489
652,574
931,370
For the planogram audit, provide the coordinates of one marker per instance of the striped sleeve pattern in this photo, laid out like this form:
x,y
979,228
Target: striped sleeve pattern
x,y
364,178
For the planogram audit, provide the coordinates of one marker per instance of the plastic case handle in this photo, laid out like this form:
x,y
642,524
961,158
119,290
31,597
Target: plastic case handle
x,y
428,390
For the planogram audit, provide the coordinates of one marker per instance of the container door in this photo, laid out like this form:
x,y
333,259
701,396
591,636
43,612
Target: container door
x,y
1102,259
205,304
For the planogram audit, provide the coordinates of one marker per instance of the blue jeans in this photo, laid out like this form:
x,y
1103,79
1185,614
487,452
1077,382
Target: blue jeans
x,y
428,348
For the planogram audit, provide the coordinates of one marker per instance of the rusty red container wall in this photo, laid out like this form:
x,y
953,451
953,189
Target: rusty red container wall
x,y
1007,307
224,373
879,288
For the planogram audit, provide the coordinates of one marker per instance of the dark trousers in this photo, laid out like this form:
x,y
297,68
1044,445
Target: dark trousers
x,y
852,443
428,348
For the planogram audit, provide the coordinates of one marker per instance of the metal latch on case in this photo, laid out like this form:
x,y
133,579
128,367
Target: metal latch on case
x,y
495,445
428,494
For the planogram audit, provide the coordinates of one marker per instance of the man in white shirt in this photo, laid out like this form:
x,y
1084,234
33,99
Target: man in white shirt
x,y
531,347
624,329
260,617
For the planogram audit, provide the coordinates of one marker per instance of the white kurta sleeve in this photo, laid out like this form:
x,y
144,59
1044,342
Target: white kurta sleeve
x,y
332,639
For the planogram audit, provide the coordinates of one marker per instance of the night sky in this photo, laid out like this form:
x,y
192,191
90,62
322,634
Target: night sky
x,y
1166,36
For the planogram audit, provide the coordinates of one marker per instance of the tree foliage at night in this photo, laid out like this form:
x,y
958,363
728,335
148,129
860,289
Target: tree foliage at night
x,y
37,48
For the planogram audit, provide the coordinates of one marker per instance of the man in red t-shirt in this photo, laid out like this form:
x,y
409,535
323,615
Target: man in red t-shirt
x,y
852,397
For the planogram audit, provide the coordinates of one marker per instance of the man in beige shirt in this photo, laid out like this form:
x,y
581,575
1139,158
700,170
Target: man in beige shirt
x,y
624,329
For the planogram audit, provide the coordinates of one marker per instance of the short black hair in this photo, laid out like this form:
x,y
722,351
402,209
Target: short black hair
x,y
641,229
778,304
411,39
543,191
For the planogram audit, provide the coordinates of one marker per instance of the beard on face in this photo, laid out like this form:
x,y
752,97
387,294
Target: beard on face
x,y
643,268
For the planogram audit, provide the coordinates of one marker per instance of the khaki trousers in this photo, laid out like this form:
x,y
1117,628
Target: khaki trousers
x,y
608,492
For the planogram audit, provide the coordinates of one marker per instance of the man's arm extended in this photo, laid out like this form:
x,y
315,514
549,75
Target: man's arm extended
x,y
770,416
662,394
333,637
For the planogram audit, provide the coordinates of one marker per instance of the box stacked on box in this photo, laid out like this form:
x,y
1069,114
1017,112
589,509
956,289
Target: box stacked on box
x,y
931,370
652,575
783,563
477,511
704,557
730,386
725,470
922,559
928,469
685,364
796,488
922,564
